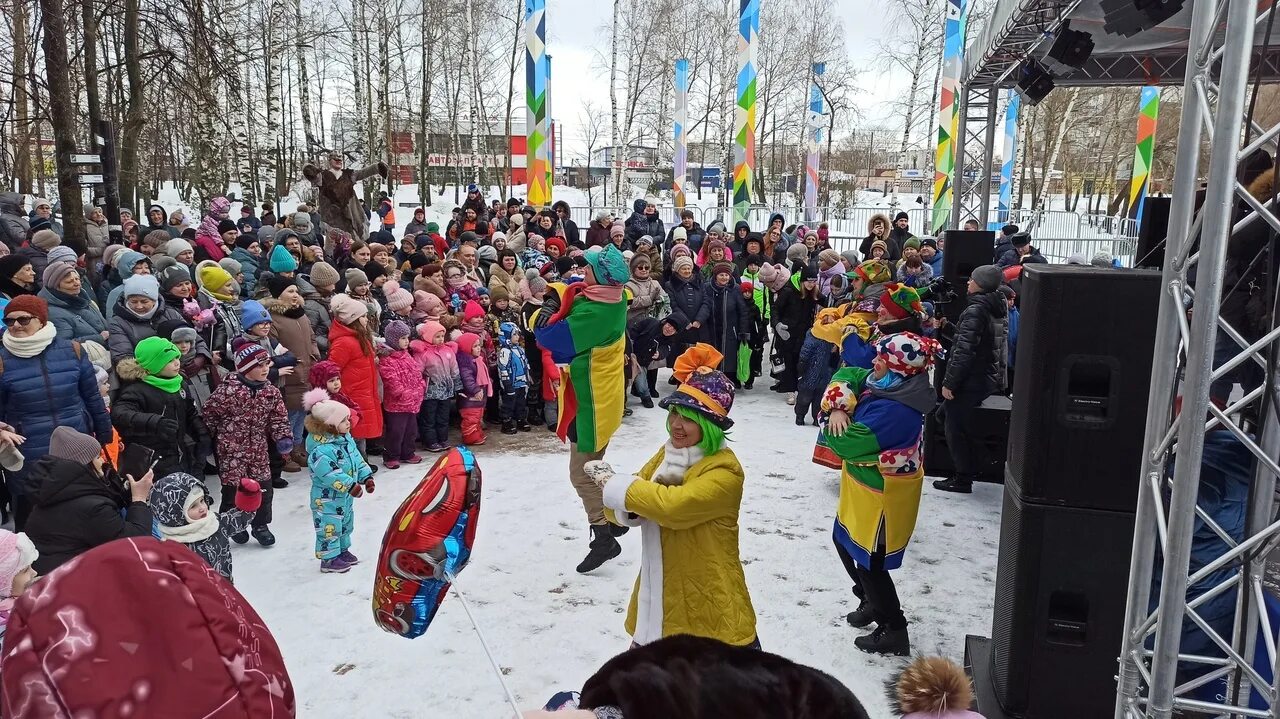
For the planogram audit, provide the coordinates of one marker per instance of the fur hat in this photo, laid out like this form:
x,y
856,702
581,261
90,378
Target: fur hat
x,y
987,277
330,412
932,688
347,309
55,272
46,240
73,446
703,388
323,274
32,305
398,298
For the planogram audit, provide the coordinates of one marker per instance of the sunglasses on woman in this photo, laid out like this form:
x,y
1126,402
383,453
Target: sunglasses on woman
x,y
20,321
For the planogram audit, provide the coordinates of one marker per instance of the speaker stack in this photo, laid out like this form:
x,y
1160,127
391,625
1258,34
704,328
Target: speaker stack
x,y
964,251
1071,487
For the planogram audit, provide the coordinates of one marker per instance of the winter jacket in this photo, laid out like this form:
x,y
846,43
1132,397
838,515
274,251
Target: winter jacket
x,y
817,364
1003,247
897,240
139,412
402,384
440,367
499,277
292,328
513,363
691,564
882,474
647,342
920,278
741,229
639,224
14,226
793,313
75,510
359,379
468,372
864,248
127,329
689,304
695,236
226,325
648,299
597,234
75,317
336,467
250,266
415,227
728,325
56,387
977,359
242,420
164,224
97,237
935,264
168,504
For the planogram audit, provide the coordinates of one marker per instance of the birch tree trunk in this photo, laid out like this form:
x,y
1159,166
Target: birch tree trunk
x,y
516,36
304,85
275,156
614,151
424,109
1063,124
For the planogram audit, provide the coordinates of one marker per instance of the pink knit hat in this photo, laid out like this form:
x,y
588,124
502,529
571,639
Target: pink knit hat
x,y
347,309
429,329
425,305
16,554
328,411
398,298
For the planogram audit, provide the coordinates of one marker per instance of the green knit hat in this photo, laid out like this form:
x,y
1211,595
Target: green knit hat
x,y
912,242
433,227
154,353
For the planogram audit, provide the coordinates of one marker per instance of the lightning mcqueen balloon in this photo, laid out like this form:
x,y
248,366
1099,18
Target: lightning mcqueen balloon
x,y
427,544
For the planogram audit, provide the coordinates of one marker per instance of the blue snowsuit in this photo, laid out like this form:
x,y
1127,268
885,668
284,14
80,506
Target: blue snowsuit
x,y
336,467
513,375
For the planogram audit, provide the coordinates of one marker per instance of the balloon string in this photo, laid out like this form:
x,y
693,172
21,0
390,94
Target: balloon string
x,y
497,670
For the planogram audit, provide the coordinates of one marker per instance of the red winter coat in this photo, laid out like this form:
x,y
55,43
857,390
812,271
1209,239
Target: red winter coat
x,y
242,423
550,375
359,379
84,641
402,382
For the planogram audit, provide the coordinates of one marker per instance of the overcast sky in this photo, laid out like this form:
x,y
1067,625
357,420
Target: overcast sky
x,y
578,30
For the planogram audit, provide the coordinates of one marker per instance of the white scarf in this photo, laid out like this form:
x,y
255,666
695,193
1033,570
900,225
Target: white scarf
x,y
194,530
675,462
33,345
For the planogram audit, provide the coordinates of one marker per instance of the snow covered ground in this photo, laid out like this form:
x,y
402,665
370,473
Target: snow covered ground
x,y
551,628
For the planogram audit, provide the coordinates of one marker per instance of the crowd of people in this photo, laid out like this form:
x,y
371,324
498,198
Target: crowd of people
x,y
261,346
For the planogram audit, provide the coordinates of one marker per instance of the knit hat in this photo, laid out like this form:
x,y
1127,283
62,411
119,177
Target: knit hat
x,y
73,446
347,309
16,554
219,206
987,277
873,272
281,260
64,254
425,304
395,331
183,333
246,241
907,353
807,272
328,411
277,284
322,372
468,236
212,277
32,305
472,310
1077,258
798,253
177,246
680,263
679,233
231,265
638,259
901,301
884,248
722,267
55,272
537,285
559,244
253,313
226,226
644,240
617,229
703,388
747,286
373,270
1102,258
681,251
155,238
171,277
851,257
433,227
829,256
153,353
398,298
901,216
429,329
139,286
928,242
913,243
97,354
323,274
609,266
248,354
499,293
355,277
46,240
302,222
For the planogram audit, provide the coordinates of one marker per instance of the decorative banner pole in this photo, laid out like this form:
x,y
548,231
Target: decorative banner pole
x,y
744,113
1010,154
680,163
1148,112
944,180
536,77
817,130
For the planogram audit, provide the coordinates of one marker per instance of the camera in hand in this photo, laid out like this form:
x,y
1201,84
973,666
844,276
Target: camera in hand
x,y
939,291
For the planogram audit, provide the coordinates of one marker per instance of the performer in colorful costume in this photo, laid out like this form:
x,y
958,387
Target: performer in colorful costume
x,y
583,325
873,423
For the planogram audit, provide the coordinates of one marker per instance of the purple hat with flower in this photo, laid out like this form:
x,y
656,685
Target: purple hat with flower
x,y
703,388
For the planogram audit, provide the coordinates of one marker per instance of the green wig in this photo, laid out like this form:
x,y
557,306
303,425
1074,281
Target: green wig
x,y
713,438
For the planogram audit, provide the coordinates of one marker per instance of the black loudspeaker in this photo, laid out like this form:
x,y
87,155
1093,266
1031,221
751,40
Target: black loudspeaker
x,y
1085,346
964,250
990,423
1151,233
1061,585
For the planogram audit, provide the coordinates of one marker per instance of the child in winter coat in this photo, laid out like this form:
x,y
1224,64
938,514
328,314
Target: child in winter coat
x,y
338,475
439,361
153,410
17,554
403,389
932,688
327,375
759,327
199,372
183,511
244,414
502,310
477,387
513,373
819,359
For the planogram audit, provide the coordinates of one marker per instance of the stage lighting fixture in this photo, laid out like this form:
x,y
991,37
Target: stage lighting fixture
x,y
1034,82
1130,17
1070,50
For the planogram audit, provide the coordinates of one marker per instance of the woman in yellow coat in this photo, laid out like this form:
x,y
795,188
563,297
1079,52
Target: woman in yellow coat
x,y
686,501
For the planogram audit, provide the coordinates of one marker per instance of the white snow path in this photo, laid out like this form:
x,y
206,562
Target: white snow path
x,y
551,628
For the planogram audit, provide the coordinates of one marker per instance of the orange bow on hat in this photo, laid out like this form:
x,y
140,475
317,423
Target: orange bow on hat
x,y
701,358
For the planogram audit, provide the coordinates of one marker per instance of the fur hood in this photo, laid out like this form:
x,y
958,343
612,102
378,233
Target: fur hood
x,y
879,217
130,371
933,687
275,306
1263,186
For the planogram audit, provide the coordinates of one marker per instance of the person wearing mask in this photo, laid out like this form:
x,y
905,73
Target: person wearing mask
x,y
976,366
47,382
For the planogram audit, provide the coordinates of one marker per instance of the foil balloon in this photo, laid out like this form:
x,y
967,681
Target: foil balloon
x,y
427,543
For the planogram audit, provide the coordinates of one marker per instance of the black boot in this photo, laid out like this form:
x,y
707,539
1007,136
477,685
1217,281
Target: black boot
x,y
653,392
603,548
509,426
264,536
673,381
618,530
647,401
885,641
860,617
279,483
523,425
751,383
241,537
955,484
